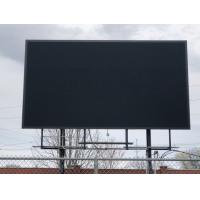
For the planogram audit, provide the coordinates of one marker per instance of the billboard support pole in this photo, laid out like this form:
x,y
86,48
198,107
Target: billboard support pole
x,y
62,151
84,138
148,152
42,137
170,141
126,138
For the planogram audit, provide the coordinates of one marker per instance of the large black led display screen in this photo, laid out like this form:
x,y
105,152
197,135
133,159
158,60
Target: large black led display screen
x,y
106,84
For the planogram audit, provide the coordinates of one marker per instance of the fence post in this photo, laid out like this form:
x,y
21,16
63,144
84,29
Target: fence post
x,y
95,166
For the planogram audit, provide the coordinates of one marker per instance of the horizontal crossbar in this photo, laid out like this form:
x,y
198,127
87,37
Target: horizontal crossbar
x,y
109,148
98,159
105,143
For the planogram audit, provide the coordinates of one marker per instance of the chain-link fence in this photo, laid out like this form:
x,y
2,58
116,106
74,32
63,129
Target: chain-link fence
x,y
41,165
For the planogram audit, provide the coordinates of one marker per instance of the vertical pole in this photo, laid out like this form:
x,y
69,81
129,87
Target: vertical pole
x,y
126,138
62,151
170,143
84,139
42,136
70,149
148,152
96,162
96,166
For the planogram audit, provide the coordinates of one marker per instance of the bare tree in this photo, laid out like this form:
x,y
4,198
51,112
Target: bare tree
x,y
190,155
73,138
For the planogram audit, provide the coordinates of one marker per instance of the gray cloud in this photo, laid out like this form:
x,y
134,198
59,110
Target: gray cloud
x,y
119,31
12,37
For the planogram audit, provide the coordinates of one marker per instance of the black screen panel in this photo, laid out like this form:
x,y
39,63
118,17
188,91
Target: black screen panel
x,y
106,84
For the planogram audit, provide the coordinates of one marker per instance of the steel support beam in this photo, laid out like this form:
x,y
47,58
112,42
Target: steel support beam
x,y
148,152
62,151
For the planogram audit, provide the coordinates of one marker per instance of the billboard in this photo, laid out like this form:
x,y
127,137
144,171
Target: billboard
x,y
106,84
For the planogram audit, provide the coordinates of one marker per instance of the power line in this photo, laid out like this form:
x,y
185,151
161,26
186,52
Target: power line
x,y
198,99
16,149
15,129
9,107
6,129
10,117
15,133
195,85
16,144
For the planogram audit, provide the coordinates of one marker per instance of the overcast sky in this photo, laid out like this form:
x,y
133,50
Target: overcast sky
x,y
12,43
